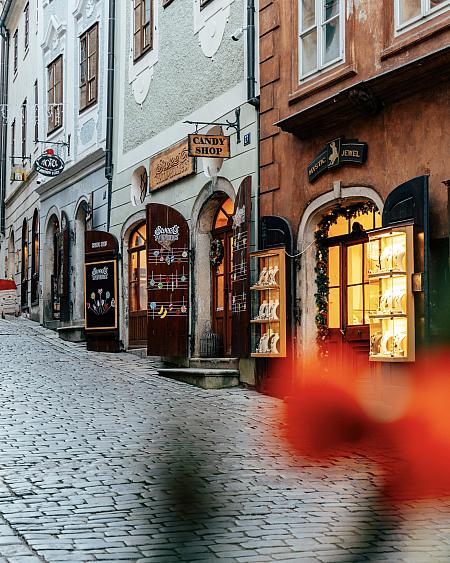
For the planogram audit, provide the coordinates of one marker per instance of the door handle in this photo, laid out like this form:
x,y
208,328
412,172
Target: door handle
x,y
343,330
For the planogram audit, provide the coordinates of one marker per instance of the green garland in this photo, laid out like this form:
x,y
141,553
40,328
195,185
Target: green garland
x,y
321,269
216,253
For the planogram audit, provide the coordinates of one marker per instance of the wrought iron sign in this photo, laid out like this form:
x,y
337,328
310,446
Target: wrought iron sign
x,y
337,152
49,164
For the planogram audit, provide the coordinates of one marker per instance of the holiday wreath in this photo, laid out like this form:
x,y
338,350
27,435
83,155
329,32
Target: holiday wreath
x,y
216,253
321,268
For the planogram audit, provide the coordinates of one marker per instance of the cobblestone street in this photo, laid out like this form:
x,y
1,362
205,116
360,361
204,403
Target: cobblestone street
x,y
102,459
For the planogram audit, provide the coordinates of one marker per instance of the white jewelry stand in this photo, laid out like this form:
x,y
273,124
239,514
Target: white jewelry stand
x,y
272,311
272,278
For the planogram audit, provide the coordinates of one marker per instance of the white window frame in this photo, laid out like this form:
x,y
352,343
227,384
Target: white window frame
x,y
319,24
426,12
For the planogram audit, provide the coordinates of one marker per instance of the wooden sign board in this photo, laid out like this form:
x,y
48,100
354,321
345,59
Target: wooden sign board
x,y
100,292
240,276
168,270
170,165
210,146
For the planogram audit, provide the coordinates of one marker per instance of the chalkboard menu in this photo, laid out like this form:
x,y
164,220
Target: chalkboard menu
x,y
101,295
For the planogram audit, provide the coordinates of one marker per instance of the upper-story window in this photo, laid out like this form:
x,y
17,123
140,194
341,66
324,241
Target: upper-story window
x,y
321,41
16,49
27,26
143,38
24,129
55,94
36,112
13,141
408,12
88,67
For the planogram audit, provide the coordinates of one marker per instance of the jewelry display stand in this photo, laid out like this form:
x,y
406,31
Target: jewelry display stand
x,y
269,304
390,267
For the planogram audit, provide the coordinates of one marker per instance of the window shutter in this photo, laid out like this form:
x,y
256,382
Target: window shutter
x,y
240,279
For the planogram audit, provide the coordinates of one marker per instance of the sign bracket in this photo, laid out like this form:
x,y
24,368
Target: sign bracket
x,y
236,125
22,158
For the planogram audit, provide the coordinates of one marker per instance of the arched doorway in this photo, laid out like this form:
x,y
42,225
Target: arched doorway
x,y
78,261
50,270
137,287
24,267
222,253
343,247
35,259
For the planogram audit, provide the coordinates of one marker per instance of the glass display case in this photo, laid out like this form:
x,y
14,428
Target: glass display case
x,y
268,320
390,270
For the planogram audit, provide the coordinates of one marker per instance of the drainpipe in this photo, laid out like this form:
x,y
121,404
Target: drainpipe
x,y
4,100
110,107
251,54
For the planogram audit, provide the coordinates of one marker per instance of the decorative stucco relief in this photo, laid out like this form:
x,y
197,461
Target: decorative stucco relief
x,y
209,24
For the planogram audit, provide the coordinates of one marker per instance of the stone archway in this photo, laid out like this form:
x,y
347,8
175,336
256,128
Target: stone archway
x,y
49,260
204,210
306,284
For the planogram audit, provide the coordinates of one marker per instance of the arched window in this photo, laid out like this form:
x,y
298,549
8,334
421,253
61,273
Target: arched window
x,y
24,270
35,258
138,269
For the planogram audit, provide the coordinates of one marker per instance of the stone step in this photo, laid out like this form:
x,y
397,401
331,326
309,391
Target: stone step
x,y
214,363
139,352
204,378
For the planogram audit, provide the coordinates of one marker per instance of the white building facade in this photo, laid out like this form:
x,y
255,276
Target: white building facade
x,y
189,60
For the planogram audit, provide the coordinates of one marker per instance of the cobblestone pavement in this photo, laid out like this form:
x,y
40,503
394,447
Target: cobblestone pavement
x,y
103,460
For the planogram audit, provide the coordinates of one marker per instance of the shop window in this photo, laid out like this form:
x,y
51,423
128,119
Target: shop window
x,y
88,67
24,129
142,34
321,41
344,226
408,12
138,269
55,94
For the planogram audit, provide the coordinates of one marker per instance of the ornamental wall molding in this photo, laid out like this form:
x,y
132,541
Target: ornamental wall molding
x,y
54,34
210,23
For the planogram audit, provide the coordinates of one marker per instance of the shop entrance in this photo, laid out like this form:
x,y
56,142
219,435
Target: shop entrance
x,y
221,265
137,290
349,304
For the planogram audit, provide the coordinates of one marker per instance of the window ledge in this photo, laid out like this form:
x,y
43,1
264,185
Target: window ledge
x,y
322,81
414,37
87,107
27,50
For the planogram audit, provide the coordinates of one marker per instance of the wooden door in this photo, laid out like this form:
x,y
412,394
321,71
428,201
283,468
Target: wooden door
x,y
349,304
221,275
222,298
137,292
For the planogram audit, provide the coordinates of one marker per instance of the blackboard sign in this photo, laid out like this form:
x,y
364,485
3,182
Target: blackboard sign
x,y
101,295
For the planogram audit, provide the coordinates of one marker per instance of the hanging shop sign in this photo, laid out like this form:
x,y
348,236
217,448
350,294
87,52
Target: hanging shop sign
x,y
49,164
170,165
167,281
337,152
100,242
101,295
18,174
212,146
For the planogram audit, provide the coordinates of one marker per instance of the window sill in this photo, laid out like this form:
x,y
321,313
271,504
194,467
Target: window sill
x,y
87,107
55,131
324,80
142,55
415,36
27,50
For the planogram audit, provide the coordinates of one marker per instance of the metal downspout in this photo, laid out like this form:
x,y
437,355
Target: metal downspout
x,y
251,54
110,107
